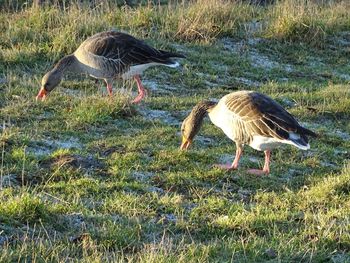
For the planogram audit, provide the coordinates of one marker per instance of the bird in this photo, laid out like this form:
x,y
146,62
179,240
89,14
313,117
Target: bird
x,y
248,118
109,55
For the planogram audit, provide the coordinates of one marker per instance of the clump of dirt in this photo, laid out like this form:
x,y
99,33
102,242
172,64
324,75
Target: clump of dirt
x,y
105,150
72,160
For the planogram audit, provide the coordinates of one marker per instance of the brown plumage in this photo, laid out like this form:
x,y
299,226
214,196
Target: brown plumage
x,y
252,118
109,55
124,51
259,114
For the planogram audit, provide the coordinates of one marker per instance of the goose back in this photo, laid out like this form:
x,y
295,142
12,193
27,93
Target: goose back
x,y
109,54
248,116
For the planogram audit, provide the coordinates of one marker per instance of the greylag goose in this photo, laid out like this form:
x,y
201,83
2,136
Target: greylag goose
x,y
109,55
248,117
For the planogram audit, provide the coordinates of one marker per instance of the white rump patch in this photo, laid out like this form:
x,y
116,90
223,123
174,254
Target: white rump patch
x,y
175,65
295,136
138,69
262,143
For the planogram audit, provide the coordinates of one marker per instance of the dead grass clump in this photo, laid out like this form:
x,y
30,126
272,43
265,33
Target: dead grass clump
x,y
307,21
71,160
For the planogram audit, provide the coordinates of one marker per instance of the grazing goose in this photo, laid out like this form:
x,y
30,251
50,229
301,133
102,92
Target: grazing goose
x,y
248,117
109,55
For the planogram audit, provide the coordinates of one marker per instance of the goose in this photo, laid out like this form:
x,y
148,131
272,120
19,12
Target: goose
x,y
109,55
248,118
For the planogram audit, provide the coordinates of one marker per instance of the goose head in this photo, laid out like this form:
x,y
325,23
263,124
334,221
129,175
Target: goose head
x,y
189,128
192,124
50,80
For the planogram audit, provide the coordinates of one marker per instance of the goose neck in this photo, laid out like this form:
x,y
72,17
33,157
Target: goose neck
x,y
67,63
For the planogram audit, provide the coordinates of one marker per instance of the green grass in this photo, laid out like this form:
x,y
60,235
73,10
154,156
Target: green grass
x,y
87,178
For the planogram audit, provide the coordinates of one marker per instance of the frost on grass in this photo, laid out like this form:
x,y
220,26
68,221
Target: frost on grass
x,y
261,61
154,189
226,159
342,76
39,150
168,218
237,47
75,220
330,132
9,180
4,239
343,135
45,115
71,143
161,115
258,60
254,159
151,85
204,140
343,39
161,88
3,81
340,257
248,82
315,62
142,176
47,146
329,164
253,27
205,78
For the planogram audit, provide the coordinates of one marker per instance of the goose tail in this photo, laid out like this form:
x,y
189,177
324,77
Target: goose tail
x,y
300,140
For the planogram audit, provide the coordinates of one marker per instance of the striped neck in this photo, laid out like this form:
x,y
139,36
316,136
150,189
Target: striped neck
x,y
202,108
68,63
195,119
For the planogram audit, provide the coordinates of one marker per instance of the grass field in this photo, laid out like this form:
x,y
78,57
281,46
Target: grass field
x,y
88,178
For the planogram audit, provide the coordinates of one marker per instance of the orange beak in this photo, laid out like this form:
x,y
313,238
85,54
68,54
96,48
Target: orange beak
x,y
42,94
185,143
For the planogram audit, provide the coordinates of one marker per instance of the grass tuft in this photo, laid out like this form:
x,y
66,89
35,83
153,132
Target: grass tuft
x,y
24,208
97,111
307,21
89,178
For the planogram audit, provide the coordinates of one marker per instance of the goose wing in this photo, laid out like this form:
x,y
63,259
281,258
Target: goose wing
x,y
125,49
264,116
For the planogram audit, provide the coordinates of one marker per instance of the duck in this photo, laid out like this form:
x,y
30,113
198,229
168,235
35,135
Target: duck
x,y
248,118
109,55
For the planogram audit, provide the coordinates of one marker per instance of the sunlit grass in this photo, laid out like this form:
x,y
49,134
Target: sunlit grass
x,y
89,178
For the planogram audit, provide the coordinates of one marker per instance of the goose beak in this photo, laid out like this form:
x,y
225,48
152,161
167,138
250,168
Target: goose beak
x,y
185,143
42,94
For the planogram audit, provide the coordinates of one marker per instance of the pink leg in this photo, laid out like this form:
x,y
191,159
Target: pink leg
x,y
109,88
235,163
266,169
141,89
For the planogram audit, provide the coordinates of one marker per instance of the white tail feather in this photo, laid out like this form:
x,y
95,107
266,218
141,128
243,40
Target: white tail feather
x,y
302,147
294,137
175,65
